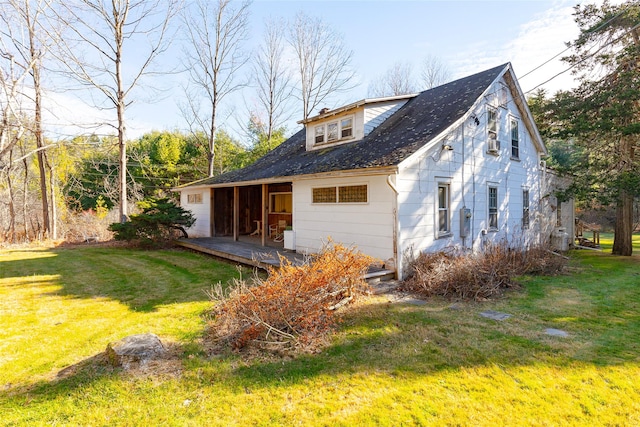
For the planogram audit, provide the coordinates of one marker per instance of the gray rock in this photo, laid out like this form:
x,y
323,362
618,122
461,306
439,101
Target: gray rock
x,y
495,315
556,332
135,349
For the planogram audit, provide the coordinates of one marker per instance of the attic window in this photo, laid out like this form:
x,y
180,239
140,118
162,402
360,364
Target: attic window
x,y
347,127
319,134
334,131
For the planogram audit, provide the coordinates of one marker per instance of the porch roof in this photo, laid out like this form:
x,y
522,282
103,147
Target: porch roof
x,y
420,120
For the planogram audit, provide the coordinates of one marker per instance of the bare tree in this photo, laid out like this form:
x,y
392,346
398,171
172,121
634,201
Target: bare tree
x,y
434,72
12,81
23,21
273,78
115,34
216,32
397,80
324,62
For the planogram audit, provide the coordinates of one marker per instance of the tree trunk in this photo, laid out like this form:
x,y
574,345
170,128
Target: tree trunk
x,y
52,192
120,107
12,209
623,238
35,73
622,241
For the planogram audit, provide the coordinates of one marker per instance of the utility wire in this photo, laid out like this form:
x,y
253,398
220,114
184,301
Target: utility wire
x,y
607,22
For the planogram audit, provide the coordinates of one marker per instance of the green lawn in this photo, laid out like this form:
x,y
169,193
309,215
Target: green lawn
x,y
389,364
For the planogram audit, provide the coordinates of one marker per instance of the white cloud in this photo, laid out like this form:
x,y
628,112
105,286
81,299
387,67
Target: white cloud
x,y
538,40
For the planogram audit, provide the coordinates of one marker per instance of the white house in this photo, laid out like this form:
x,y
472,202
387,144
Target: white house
x,y
457,165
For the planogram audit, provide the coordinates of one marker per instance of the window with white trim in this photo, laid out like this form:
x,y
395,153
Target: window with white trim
x,y
493,208
444,224
493,145
319,134
515,139
334,131
492,123
341,194
346,127
525,209
195,198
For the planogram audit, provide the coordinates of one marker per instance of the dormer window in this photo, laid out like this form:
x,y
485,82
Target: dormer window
x,y
319,134
347,127
334,131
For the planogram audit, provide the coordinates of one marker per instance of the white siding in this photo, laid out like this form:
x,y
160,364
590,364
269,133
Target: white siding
x,y
469,170
375,114
202,211
369,226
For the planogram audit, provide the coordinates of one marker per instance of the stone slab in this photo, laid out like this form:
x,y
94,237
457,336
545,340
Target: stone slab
x,y
495,315
556,332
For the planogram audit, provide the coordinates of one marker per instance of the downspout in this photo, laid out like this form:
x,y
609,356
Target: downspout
x,y
396,257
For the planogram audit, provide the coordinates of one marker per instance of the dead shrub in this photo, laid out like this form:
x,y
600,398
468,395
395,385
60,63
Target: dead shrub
x,y
295,306
479,275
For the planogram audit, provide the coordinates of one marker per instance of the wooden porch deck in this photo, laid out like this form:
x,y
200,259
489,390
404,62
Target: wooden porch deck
x,y
248,250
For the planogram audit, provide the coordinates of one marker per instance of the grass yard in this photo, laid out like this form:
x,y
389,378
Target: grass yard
x,y
389,364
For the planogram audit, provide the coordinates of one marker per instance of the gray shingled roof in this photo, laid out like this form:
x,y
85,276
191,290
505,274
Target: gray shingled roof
x,y
421,119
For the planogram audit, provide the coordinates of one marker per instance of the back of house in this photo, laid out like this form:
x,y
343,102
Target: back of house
x,y
457,166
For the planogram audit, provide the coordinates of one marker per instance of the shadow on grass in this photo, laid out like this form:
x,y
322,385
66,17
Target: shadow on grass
x,y
395,340
406,340
140,279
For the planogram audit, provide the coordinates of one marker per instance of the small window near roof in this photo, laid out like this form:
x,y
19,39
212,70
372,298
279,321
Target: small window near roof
x,y
324,195
319,134
346,126
353,194
332,131
194,198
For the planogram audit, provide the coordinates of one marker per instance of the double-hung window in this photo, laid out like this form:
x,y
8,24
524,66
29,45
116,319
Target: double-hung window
x,y
525,209
515,139
319,134
444,226
493,208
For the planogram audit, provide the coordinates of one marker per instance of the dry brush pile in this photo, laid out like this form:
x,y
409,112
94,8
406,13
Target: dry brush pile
x,y
479,275
295,307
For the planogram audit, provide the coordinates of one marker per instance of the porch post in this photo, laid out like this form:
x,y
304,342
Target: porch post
x,y
236,212
212,216
265,214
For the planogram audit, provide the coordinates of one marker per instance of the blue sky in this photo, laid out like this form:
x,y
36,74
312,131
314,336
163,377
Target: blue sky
x,y
468,36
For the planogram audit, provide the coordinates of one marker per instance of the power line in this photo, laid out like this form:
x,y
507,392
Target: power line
x,y
607,22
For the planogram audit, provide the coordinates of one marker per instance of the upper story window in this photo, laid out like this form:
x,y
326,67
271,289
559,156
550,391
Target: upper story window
x,y
515,139
319,134
334,131
492,122
492,130
347,127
